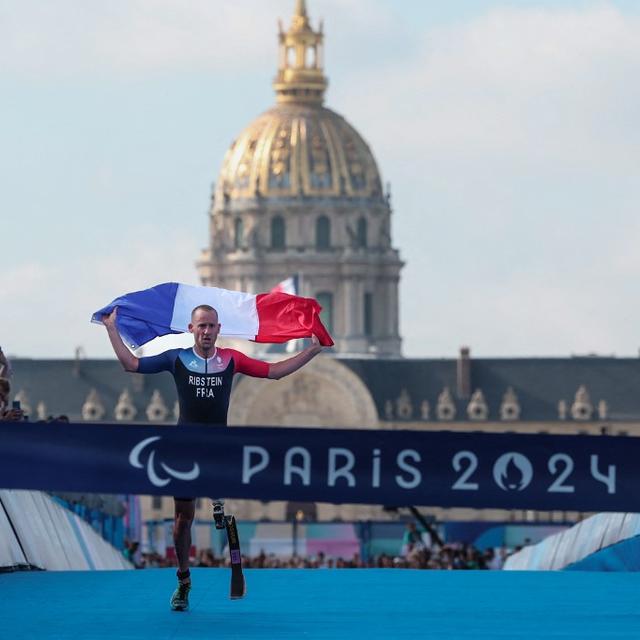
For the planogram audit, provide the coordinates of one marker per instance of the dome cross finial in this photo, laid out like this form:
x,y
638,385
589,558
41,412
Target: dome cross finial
x,y
301,8
300,75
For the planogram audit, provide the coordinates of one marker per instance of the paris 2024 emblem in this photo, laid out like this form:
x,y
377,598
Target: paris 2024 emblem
x,y
512,471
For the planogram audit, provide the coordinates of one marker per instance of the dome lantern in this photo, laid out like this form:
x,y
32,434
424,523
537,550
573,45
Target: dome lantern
x,y
300,77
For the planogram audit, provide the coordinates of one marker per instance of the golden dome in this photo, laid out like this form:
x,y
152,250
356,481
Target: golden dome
x,y
298,147
299,150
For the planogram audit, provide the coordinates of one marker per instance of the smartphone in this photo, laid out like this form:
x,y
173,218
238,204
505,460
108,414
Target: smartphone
x,y
16,405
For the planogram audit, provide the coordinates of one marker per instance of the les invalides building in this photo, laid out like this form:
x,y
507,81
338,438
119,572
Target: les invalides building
x,y
299,194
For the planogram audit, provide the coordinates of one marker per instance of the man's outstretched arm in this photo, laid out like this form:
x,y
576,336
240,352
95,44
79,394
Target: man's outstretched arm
x,y
279,370
127,359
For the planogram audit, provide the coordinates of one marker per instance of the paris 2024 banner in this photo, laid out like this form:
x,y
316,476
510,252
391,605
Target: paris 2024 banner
x,y
396,468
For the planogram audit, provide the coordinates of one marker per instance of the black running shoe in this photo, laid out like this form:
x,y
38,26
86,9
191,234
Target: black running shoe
x,y
180,597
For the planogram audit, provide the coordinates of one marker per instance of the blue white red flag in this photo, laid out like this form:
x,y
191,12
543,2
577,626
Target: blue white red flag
x,y
166,308
290,286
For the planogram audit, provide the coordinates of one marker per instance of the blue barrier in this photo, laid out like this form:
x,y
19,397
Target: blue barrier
x,y
622,556
526,471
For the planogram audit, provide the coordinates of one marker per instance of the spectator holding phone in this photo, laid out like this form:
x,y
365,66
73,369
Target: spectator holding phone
x,y
13,413
5,367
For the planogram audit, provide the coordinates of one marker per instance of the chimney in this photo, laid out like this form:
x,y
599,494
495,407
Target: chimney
x,y
79,355
464,373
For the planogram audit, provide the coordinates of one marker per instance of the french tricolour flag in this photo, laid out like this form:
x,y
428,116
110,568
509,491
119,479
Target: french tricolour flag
x,y
166,308
290,286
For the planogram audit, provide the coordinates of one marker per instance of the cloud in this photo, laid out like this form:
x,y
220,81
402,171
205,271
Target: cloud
x,y
526,314
535,85
145,36
69,37
46,312
22,281
513,146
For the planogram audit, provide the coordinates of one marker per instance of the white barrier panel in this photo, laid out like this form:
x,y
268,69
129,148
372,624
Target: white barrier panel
x,y
41,547
52,537
11,555
581,541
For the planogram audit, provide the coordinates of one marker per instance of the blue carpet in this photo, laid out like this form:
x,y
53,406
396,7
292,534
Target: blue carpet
x,y
328,604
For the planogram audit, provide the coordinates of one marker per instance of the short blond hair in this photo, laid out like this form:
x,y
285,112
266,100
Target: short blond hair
x,y
203,307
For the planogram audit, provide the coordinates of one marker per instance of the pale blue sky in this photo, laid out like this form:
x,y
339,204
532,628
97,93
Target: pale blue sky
x,y
508,130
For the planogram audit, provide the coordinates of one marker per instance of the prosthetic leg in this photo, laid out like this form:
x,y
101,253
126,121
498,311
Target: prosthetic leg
x,y
238,585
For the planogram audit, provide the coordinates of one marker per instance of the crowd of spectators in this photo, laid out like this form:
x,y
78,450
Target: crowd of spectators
x,y
446,557
417,550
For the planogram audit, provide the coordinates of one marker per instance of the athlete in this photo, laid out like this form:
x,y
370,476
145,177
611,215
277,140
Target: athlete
x,y
203,375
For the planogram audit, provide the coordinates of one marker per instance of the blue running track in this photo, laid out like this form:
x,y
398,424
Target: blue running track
x,y
319,603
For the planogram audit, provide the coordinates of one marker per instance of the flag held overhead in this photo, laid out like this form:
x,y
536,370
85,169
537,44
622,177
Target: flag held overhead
x,y
166,308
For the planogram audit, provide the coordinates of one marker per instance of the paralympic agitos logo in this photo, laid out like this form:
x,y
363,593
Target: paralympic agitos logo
x,y
155,477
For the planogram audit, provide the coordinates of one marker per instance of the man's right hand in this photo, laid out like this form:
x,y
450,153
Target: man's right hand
x,y
109,320
127,359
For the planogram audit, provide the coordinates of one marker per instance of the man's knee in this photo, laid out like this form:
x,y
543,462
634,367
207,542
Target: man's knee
x,y
184,517
182,525
183,520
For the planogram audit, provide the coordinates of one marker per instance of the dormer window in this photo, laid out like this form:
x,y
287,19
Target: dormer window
x,y
238,232
323,233
278,234
361,233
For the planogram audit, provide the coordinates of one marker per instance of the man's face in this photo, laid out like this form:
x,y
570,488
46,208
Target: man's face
x,y
205,328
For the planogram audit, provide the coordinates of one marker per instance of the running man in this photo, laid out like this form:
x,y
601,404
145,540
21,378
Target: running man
x,y
203,375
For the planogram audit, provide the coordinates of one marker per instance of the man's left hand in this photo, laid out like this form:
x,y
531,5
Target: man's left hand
x,y
316,347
